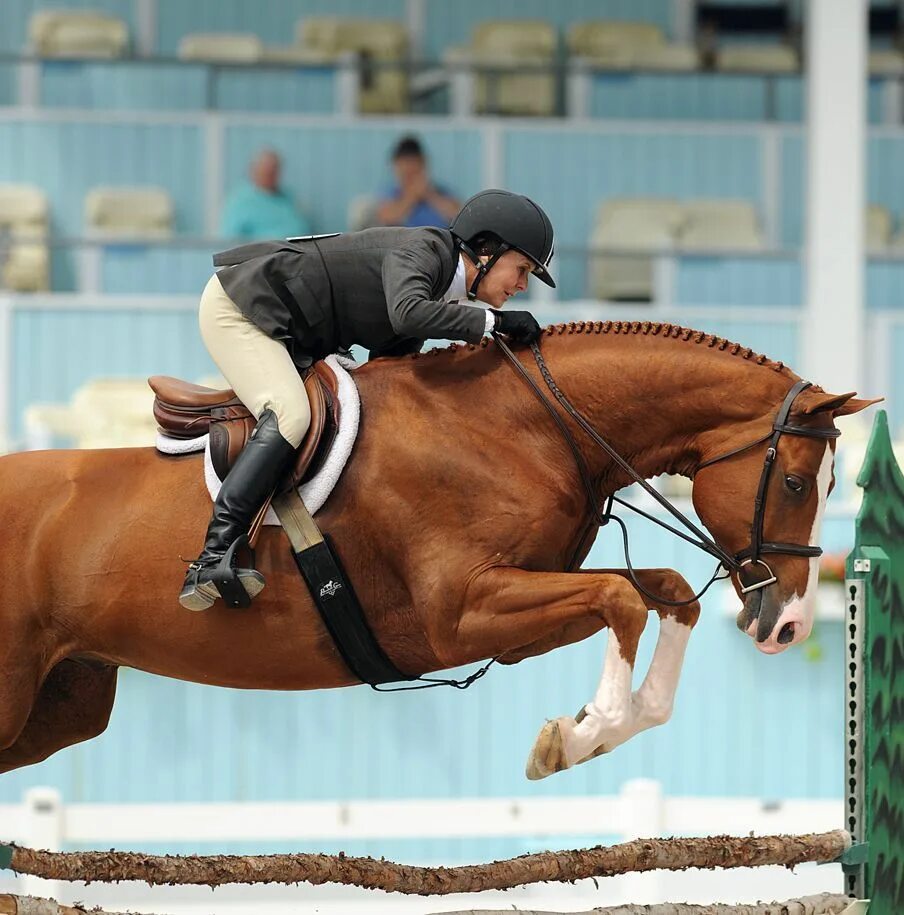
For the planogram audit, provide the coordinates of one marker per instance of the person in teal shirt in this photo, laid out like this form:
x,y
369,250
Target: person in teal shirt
x,y
258,208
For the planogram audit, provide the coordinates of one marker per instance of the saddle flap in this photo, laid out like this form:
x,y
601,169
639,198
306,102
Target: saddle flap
x,y
306,451
322,388
184,410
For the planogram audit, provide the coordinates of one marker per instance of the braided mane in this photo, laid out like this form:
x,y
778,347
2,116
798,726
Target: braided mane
x,y
641,328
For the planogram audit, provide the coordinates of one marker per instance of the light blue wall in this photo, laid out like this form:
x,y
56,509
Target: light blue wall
x,y
274,21
694,97
125,87
751,281
704,96
793,189
326,168
884,180
885,173
127,269
141,86
308,90
57,350
895,404
8,84
570,173
885,285
68,158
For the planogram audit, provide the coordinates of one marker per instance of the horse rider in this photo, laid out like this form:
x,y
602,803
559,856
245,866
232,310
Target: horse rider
x,y
275,307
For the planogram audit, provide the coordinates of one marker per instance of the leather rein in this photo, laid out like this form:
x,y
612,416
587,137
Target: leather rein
x,y
752,571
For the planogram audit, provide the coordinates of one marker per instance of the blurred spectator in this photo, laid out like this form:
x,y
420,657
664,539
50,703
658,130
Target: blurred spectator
x,y
259,208
414,200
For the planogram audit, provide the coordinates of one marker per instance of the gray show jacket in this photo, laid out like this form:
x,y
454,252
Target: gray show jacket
x,y
380,288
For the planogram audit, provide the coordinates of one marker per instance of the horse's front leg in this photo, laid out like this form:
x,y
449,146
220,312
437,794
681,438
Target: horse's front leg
x,y
591,733
509,609
652,704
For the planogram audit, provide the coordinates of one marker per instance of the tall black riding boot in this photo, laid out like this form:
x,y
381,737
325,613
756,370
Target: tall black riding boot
x,y
255,474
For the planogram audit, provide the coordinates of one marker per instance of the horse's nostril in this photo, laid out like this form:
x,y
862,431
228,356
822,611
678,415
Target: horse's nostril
x,y
787,634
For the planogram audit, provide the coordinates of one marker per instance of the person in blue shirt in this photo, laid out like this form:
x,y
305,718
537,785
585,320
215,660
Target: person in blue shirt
x,y
414,200
259,208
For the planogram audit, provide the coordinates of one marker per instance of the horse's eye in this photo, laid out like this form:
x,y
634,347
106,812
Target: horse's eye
x,y
794,484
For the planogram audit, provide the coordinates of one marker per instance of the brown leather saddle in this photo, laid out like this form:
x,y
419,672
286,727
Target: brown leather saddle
x,y
184,410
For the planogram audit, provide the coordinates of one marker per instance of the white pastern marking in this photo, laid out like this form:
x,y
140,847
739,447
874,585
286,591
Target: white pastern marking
x,y
610,711
654,700
805,607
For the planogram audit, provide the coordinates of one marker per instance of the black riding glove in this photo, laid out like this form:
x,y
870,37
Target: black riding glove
x,y
520,326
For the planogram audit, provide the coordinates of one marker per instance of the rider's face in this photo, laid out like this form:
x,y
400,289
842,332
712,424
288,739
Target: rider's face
x,y
508,276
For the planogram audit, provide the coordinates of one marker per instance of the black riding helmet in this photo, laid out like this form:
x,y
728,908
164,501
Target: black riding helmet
x,y
516,220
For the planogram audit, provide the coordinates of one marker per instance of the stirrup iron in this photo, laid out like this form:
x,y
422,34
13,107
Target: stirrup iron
x,y
236,587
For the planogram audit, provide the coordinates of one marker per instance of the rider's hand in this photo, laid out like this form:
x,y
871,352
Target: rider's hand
x,y
520,326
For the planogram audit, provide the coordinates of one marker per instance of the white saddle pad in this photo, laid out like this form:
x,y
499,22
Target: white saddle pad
x,y
315,491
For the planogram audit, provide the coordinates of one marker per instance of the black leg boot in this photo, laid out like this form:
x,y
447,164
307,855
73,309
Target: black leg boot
x,y
255,474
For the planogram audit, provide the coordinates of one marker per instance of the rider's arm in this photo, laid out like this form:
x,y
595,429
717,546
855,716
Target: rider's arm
x,y
410,275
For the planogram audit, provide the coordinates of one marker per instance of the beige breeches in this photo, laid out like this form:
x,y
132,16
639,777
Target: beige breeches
x,y
259,369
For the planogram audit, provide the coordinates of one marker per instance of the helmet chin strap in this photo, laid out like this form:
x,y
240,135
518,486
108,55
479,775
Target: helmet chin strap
x,y
482,268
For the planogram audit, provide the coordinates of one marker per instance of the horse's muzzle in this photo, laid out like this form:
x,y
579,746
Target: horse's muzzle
x,y
763,608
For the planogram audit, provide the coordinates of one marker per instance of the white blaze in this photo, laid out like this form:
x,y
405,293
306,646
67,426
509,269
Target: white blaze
x,y
803,608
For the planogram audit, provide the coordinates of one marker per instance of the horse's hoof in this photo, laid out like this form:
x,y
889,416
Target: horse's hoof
x,y
548,753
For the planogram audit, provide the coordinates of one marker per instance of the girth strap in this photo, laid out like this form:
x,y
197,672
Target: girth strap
x,y
340,608
333,594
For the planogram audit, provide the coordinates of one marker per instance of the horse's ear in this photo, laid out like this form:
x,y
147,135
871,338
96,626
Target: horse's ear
x,y
836,404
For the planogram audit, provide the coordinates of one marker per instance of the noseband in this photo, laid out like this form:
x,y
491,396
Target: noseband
x,y
744,563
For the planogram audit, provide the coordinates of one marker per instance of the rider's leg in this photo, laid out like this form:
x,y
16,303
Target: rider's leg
x,y
266,380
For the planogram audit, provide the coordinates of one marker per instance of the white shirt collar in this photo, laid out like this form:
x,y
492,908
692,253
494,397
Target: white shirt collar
x,y
456,288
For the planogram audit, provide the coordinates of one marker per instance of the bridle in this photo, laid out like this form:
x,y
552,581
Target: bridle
x,y
744,563
752,555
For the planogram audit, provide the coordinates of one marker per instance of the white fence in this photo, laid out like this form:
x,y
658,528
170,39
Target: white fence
x,y
641,809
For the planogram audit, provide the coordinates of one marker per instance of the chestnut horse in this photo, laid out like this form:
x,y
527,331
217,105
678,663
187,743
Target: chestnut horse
x,y
461,521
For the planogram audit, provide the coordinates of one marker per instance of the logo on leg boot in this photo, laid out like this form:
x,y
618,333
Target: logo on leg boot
x,y
330,588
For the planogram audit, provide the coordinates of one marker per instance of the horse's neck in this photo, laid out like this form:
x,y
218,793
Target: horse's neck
x,y
664,405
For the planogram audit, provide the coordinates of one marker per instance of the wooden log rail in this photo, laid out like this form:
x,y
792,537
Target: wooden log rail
x,y
824,904
31,905
639,855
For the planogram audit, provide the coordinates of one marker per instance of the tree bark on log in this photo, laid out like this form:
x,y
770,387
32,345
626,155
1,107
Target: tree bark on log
x,y
32,905
601,861
824,904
